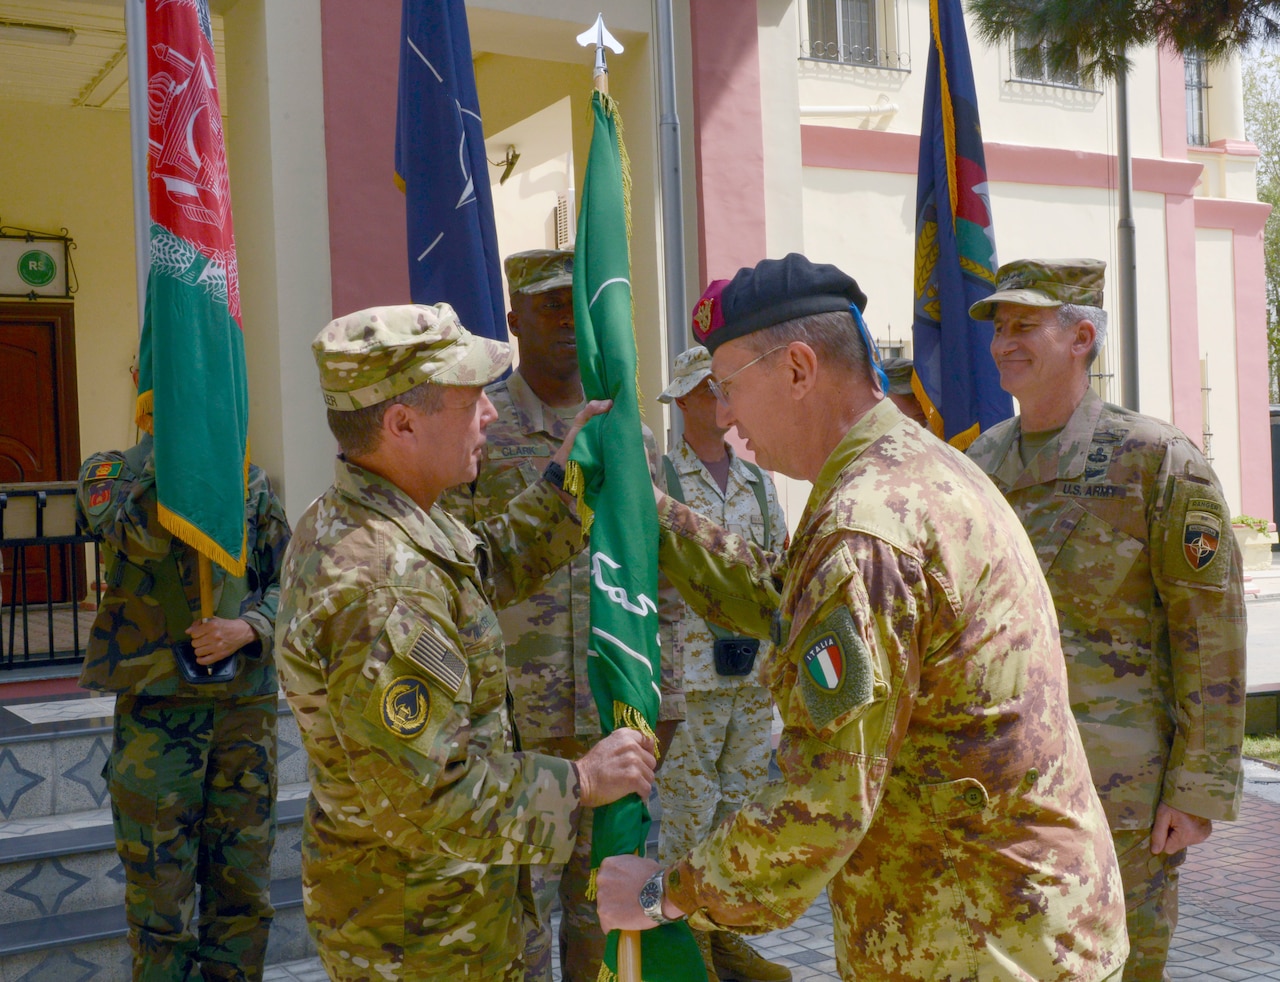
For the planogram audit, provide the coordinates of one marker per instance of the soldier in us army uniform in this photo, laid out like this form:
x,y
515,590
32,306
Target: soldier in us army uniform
x,y
547,633
719,755
1133,534
933,780
192,771
423,809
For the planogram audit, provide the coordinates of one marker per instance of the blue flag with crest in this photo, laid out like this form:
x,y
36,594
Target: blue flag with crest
x,y
955,264
441,167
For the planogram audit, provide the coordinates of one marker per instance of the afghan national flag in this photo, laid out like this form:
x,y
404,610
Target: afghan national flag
x,y
192,389
609,470
441,167
955,376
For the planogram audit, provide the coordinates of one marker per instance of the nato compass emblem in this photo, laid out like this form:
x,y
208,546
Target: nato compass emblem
x,y
1200,533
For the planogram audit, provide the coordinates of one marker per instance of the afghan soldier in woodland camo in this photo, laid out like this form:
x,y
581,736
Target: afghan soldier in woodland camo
x,y
1132,531
933,780
423,812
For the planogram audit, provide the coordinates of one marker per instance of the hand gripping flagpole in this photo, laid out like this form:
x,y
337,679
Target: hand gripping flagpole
x,y
597,34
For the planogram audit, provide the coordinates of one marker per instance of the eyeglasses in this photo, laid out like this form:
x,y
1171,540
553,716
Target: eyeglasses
x,y
720,388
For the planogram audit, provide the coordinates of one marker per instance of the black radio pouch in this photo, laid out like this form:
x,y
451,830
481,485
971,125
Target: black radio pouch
x,y
735,656
197,674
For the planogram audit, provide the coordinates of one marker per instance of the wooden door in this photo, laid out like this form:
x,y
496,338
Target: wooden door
x,y
39,422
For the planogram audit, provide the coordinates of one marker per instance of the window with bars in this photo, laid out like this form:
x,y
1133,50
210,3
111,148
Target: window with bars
x,y
1197,80
1030,63
855,32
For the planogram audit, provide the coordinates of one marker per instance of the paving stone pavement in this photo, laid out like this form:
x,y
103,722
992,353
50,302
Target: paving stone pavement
x,y
1229,911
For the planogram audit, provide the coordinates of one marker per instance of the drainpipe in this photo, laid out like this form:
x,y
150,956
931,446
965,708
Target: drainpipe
x,y
1126,253
672,198
135,24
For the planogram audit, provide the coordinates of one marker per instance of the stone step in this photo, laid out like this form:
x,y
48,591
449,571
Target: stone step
x,y
68,863
83,945
52,752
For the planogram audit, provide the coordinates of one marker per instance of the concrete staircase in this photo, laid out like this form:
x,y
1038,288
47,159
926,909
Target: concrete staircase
x,y
61,885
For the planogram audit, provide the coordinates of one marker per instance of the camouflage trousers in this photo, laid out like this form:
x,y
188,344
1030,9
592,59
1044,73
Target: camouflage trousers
x,y
193,795
719,758
581,941
1151,903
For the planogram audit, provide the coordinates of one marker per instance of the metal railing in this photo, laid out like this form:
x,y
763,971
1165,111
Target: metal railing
x,y
40,616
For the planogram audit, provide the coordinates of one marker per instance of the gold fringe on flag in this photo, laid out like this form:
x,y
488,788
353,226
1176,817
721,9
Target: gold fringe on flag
x,y
629,716
576,484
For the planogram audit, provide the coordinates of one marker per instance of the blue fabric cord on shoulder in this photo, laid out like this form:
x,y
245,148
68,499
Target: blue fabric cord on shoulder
x,y
873,350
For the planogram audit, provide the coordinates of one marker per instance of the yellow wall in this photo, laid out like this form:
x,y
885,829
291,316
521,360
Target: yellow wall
x,y
70,168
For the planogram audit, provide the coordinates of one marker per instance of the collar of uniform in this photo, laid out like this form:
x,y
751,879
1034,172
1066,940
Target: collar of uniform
x,y
688,462
1064,458
874,424
535,415
446,539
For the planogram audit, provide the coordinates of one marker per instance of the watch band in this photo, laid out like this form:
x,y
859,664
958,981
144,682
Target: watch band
x,y
554,475
652,893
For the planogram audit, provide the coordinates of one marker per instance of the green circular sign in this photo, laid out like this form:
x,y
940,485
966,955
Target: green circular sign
x,y
37,267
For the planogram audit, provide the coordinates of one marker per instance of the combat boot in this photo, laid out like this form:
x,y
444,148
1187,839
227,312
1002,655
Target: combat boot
x,y
704,945
737,961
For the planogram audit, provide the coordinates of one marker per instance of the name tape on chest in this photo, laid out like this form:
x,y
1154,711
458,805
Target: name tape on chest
x,y
406,706
439,660
518,452
1079,489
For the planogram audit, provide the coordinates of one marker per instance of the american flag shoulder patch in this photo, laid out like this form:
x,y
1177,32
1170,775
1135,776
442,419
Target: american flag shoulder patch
x,y
438,659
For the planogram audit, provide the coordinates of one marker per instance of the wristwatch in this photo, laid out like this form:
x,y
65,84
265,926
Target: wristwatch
x,y
651,895
554,475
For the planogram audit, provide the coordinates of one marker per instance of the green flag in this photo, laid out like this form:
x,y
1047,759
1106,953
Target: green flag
x,y
609,471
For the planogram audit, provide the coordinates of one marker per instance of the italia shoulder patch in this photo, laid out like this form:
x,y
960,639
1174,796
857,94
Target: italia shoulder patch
x,y
406,706
836,674
1201,532
438,659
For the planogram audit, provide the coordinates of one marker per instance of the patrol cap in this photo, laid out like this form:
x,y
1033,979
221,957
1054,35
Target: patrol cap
x,y
692,366
376,354
538,270
1044,283
898,371
778,290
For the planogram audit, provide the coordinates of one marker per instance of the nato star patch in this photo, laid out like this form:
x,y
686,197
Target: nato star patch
x,y
406,706
1201,531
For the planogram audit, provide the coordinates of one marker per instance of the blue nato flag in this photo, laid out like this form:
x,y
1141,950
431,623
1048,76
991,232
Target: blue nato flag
x,y
955,262
441,167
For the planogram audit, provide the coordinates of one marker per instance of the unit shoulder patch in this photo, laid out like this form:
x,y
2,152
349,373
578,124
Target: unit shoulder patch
x,y
406,706
1194,550
98,496
1201,532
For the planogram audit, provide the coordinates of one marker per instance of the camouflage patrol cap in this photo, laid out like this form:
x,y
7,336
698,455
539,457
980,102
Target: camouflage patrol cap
x,y
692,366
898,371
539,270
374,355
1044,283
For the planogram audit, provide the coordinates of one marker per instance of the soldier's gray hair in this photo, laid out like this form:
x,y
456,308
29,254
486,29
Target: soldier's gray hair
x,y
359,431
1070,314
833,336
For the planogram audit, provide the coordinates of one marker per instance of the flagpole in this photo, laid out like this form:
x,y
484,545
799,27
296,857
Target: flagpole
x,y
135,25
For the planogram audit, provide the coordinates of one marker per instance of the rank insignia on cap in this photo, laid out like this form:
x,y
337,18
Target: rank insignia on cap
x,y
1200,533
702,316
825,662
406,704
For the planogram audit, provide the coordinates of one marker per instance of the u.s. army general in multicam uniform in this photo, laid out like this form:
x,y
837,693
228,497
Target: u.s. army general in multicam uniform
x,y
192,771
422,806
547,634
933,780
1133,534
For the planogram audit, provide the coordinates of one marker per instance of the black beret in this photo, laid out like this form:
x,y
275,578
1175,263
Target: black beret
x,y
779,290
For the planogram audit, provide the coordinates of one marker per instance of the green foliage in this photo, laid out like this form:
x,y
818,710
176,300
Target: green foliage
x,y
1257,524
1263,747
1261,76
1098,31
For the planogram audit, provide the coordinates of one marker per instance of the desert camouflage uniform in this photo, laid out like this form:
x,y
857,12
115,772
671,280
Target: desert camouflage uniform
x,y
1134,537
421,809
932,776
719,756
547,641
192,771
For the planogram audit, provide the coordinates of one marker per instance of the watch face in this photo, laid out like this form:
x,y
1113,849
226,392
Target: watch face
x,y
651,896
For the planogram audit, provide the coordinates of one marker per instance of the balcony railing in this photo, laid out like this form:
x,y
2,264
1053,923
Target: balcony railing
x,y
44,581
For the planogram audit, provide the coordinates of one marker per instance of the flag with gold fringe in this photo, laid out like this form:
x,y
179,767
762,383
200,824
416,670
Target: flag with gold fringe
x,y
955,264
610,473
192,385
